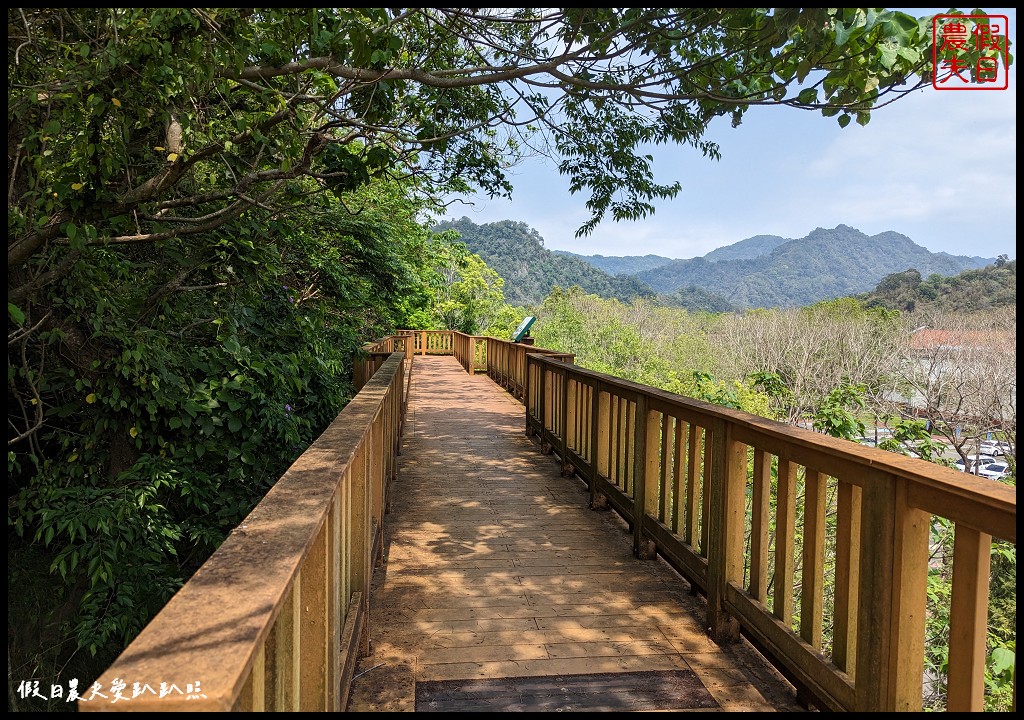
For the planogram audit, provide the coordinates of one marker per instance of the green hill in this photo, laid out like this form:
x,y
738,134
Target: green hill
x,y
748,249
620,265
972,290
516,252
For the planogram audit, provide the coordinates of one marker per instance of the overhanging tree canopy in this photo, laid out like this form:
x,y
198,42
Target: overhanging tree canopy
x,y
131,126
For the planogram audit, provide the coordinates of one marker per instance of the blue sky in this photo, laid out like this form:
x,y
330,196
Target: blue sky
x,y
938,166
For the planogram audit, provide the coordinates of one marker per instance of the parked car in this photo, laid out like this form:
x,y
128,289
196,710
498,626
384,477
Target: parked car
x,y
994,447
977,462
994,471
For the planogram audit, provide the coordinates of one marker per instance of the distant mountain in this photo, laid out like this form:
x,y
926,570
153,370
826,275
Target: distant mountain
x,y
747,249
516,252
620,265
828,263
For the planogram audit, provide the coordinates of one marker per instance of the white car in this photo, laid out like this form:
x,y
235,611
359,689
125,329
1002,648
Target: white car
x,y
994,471
977,462
994,447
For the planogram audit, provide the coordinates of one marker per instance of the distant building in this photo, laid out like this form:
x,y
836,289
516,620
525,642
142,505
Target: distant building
x,y
942,352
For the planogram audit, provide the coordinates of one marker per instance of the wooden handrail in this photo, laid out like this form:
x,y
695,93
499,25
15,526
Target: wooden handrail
x,y
680,471
277,616
373,355
471,352
503,360
431,342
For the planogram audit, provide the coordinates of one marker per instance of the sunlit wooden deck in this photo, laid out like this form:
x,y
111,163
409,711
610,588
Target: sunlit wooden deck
x,y
495,568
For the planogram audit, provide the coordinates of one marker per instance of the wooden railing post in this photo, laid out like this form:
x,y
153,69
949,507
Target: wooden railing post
x,y
596,430
726,523
972,553
893,583
641,547
544,409
567,469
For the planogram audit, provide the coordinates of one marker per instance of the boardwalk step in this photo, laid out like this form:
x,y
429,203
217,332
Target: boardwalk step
x,y
601,692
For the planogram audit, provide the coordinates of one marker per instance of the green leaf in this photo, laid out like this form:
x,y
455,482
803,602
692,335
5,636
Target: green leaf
x,y
844,120
1002,660
808,96
802,69
842,34
887,56
234,424
15,313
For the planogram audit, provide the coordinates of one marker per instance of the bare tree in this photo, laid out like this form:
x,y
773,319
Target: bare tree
x,y
959,372
813,351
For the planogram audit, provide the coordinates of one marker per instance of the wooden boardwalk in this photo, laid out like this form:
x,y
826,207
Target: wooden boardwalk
x,y
496,571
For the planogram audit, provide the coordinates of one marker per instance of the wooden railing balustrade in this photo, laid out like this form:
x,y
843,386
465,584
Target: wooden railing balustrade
x,y
374,354
814,548
431,342
506,363
471,352
277,616
715,492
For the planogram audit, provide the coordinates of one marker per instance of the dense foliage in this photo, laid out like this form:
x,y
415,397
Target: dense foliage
x,y
668,348
992,286
172,388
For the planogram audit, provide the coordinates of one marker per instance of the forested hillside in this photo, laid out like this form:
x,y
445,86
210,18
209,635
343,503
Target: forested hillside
x,y
752,247
620,265
761,271
989,287
828,263
517,253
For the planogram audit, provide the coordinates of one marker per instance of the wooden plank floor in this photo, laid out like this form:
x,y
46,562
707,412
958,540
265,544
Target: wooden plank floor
x,y
496,568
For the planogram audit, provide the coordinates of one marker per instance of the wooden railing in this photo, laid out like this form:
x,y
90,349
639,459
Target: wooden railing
x,y
431,342
506,363
715,492
470,351
277,617
816,549
373,355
